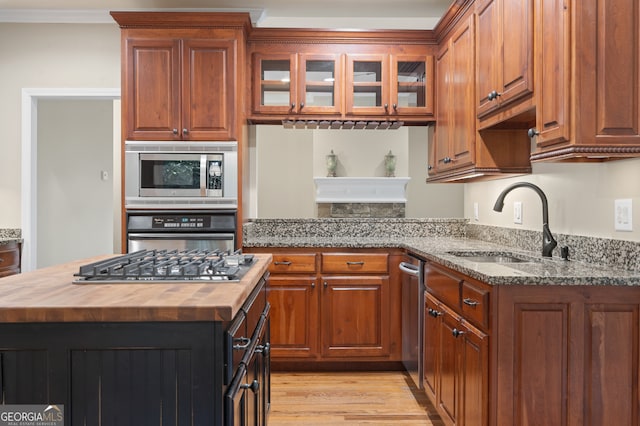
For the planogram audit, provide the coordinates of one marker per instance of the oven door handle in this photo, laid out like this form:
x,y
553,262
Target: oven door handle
x,y
180,236
410,269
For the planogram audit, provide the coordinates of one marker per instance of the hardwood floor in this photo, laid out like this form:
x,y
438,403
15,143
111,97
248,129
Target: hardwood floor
x,y
354,398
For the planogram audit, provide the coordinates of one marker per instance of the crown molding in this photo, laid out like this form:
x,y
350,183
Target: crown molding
x,y
95,16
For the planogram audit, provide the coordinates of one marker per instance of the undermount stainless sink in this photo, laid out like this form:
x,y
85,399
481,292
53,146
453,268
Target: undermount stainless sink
x,y
491,257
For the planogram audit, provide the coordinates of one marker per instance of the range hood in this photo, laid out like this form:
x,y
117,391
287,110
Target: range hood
x,y
341,124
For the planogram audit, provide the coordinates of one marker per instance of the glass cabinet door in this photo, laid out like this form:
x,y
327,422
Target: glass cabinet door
x,y
274,83
368,83
412,87
319,87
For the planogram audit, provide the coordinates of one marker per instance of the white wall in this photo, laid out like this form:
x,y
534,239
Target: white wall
x,y
581,198
75,203
287,160
46,56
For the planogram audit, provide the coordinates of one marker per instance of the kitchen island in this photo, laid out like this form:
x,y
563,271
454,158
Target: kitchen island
x,y
130,354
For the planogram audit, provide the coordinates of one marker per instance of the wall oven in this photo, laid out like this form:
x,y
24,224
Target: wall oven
x,y
181,174
181,230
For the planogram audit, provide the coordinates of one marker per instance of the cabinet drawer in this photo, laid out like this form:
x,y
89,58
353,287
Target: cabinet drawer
x,y
348,263
475,304
293,263
9,257
444,286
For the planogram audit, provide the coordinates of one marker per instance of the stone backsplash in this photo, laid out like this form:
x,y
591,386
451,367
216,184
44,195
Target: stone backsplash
x,y
368,210
354,227
8,233
603,251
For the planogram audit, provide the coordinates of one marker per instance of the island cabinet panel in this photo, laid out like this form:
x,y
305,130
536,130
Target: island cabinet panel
x,y
117,373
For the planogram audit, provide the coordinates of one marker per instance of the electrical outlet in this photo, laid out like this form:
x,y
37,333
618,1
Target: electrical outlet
x,y
104,175
517,212
476,215
623,214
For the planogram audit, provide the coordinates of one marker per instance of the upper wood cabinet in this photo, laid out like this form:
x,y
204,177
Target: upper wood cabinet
x,y
350,75
454,136
367,84
504,54
587,80
179,88
412,85
182,74
297,83
460,149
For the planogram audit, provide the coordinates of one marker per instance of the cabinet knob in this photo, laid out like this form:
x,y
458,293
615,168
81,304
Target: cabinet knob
x,y
429,167
386,106
324,284
301,105
313,285
175,131
456,333
532,132
395,107
293,105
254,386
434,313
185,131
493,95
447,160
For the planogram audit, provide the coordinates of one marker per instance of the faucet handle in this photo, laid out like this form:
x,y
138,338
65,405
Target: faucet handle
x,y
564,252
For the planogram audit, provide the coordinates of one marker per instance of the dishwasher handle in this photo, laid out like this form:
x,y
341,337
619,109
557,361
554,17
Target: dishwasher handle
x,y
409,268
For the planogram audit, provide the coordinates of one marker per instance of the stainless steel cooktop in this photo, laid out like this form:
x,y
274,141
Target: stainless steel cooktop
x,y
168,266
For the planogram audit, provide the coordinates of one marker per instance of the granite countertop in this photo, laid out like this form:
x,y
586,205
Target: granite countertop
x,y
49,295
539,271
10,236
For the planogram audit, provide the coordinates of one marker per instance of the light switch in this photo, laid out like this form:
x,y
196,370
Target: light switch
x,y
517,212
623,215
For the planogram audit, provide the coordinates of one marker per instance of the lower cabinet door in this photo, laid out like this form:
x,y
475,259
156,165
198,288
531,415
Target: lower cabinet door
x,y
294,317
431,340
474,368
355,316
447,398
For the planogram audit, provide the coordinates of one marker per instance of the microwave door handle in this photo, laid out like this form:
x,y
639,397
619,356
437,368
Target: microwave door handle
x,y
204,175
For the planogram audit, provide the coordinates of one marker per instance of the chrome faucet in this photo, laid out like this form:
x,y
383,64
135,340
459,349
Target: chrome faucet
x,y
548,242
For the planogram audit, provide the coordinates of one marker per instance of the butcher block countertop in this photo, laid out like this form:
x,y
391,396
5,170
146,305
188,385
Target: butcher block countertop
x,y
49,295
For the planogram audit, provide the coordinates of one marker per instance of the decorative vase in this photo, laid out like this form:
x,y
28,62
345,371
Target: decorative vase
x,y
390,164
332,164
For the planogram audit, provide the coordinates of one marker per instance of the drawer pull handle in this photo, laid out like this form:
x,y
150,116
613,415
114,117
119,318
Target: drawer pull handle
x,y
456,333
242,343
470,302
254,386
284,262
355,263
434,313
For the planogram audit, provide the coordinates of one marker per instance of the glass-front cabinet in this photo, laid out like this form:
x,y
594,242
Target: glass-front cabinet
x,y
297,84
367,84
412,83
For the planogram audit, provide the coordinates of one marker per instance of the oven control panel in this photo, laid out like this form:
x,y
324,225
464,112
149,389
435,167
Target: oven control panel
x,y
180,222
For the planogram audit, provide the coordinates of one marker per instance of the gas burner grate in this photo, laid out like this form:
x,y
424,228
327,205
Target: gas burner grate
x,y
168,266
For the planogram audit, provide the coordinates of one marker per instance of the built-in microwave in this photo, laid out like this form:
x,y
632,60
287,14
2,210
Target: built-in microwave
x,y
181,174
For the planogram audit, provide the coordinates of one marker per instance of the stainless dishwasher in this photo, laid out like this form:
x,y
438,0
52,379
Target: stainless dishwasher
x,y
413,288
